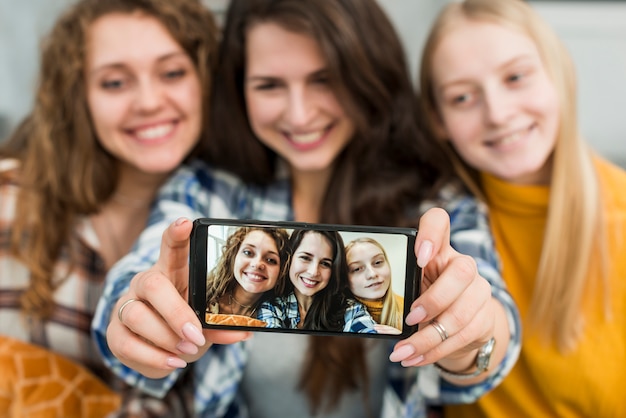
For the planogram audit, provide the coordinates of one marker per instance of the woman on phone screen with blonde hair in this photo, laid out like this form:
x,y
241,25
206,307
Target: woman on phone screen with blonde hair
x,y
369,274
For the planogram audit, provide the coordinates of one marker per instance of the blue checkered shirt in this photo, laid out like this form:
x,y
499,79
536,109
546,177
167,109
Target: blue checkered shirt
x,y
200,191
284,313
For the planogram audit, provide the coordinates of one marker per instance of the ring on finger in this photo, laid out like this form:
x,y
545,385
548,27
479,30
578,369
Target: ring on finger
x,y
440,329
125,304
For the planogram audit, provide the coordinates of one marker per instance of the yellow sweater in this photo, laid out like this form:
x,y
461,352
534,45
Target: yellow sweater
x,y
591,380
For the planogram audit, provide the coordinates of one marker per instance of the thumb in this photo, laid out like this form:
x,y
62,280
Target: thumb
x,y
174,255
433,235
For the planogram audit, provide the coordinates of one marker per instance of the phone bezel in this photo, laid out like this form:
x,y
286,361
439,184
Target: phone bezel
x,y
198,270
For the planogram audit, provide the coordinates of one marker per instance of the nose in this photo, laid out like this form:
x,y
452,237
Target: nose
x,y
258,263
300,107
370,273
499,106
149,96
312,269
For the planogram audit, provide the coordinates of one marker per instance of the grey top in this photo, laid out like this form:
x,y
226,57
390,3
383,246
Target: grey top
x,y
270,387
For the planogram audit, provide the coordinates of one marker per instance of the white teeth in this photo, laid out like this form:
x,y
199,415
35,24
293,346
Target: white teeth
x,y
511,138
155,131
253,276
307,138
308,282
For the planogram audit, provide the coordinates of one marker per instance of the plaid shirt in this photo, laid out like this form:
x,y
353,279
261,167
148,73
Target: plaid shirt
x,y
67,330
284,313
198,191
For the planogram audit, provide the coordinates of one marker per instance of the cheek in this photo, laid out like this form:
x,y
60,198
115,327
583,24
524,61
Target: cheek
x,y
107,115
461,128
261,111
190,99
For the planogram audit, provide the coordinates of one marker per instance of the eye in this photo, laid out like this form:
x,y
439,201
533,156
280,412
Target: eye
x,y
514,78
305,257
460,99
321,79
326,264
175,74
267,85
273,261
247,252
356,269
113,84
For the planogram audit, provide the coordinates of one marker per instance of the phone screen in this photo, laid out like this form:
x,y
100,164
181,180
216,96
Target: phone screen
x,y
303,278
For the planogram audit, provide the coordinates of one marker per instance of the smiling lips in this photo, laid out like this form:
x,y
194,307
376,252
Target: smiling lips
x,y
155,131
375,284
308,282
254,276
308,140
510,138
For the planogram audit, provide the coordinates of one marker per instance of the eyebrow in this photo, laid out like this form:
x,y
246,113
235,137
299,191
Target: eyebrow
x,y
122,65
266,78
504,65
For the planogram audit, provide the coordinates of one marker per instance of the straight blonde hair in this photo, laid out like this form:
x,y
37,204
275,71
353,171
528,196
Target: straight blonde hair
x,y
392,312
573,236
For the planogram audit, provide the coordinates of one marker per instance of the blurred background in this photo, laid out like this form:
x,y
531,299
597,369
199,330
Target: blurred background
x,y
594,32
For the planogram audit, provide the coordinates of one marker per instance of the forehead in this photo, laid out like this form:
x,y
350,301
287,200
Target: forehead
x,y
259,239
314,242
272,50
128,38
364,250
472,47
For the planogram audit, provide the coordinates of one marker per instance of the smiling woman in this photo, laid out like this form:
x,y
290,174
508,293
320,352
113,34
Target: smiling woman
x,y
118,107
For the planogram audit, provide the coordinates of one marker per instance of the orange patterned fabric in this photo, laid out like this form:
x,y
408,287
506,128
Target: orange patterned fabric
x,y
37,383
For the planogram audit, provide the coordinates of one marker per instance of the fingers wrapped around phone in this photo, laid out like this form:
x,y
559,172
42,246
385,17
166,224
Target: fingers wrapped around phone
x,y
153,329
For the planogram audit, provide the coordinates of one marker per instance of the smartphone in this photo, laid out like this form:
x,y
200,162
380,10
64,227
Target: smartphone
x,y
297,277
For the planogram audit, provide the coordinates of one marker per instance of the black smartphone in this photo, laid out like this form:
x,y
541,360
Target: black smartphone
x,y
306,278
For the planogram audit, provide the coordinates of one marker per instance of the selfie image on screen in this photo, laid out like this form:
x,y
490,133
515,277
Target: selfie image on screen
x,y
305,279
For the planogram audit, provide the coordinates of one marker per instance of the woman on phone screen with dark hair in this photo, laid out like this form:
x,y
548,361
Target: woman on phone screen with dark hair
x,y
316,294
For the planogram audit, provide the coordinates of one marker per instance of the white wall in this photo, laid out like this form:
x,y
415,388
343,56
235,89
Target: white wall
x,y
594,31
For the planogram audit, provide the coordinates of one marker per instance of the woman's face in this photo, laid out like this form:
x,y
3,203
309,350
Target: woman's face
x,y
291,106
368,271
257,263
311,264
497,104
143,91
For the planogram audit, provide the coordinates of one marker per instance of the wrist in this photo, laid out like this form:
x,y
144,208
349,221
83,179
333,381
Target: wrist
x,y
479,365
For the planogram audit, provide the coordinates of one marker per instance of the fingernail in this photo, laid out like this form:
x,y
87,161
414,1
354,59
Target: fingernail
x,y
176,363
187,348
416,316
180,221
414,362
193,334
424,253
402,353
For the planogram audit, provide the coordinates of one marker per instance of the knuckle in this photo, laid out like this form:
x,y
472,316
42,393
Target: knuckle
x,y
466,267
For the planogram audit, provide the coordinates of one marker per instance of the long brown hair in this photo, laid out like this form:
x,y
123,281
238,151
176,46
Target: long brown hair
x,y
329,304
574,233
220,280
64,172
386,166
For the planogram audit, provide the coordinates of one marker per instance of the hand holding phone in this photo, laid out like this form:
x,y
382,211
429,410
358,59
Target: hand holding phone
x,y
303,278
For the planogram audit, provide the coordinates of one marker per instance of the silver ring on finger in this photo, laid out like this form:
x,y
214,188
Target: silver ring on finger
x,y
125,304
440,329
